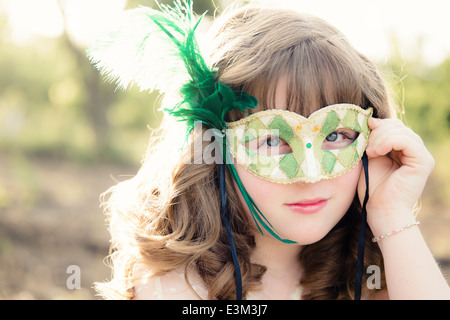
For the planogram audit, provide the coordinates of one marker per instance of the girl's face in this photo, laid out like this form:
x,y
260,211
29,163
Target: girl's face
x,y
301,212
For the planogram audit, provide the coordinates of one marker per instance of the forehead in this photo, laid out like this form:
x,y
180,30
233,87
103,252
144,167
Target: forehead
x,y
305,78
301,94
280,98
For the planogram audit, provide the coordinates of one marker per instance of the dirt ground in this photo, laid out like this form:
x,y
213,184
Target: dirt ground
x,y
53,220
50,219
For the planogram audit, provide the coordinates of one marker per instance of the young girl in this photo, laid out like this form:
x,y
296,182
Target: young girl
x,y
168,237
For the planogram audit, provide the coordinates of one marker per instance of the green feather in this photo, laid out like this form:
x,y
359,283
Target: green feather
x,y
203,98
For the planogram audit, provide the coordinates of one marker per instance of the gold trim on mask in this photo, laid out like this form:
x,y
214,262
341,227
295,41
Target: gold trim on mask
x,y
306,161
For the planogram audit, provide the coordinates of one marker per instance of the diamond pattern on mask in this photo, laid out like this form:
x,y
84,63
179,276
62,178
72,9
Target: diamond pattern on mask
x,y
295,130
331,123
284,130
328,161
289,165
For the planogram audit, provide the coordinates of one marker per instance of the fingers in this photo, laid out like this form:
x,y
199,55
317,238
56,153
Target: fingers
x,y
391,136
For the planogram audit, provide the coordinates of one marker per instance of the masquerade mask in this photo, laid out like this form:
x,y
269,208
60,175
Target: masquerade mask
x,y
284,147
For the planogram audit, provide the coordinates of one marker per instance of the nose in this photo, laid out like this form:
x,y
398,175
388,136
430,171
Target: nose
x,y
311,167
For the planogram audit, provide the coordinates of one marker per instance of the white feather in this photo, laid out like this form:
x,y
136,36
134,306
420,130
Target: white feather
x,y
136,51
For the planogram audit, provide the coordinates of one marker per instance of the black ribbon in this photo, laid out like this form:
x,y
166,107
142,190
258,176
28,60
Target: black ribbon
x,y
362,232
223,194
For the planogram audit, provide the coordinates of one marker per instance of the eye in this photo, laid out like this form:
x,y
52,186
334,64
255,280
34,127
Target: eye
x,y
273,141
339,139
269,145
332,137
273,145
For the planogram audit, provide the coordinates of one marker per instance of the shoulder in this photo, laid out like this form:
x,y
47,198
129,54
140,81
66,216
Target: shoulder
x,y
171,286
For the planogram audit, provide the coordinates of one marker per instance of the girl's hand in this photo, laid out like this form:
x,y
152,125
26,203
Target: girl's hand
x,y
395,182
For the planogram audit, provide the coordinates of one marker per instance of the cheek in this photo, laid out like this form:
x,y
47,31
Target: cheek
x,y
262,192
256,187
349,183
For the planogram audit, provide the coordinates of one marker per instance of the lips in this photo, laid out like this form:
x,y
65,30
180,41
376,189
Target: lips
x,y
308,206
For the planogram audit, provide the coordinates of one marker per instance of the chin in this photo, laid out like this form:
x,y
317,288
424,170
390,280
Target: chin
x,y
306,237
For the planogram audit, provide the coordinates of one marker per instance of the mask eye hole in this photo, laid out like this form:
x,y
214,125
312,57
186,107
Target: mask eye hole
x,y
339,139
269,144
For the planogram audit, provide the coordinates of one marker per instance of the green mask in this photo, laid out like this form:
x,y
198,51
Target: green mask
x,y
284,147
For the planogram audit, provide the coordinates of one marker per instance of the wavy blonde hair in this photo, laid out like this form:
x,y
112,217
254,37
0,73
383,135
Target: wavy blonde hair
x,y
168,216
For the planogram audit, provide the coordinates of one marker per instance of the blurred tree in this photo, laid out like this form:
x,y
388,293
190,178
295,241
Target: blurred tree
x,y
99,95
423,91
